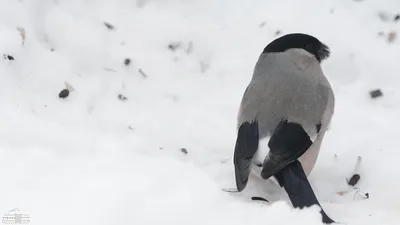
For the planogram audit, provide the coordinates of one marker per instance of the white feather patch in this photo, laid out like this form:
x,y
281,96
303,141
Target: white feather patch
x,y
262,151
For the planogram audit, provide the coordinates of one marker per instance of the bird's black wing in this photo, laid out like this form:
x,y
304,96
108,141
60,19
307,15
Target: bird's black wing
x,y
245,148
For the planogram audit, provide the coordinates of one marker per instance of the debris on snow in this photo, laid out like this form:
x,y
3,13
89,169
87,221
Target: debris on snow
x,y
142,73
109,26
278,32
127,61
356,173
341,193
335,157
385,17
184,150
64,93
174,45
392,36
122,97
9,57
363,195
22,33
256,198
354,180
376,93
262,24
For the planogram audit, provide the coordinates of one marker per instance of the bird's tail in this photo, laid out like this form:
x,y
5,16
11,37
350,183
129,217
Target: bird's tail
x,y
299,190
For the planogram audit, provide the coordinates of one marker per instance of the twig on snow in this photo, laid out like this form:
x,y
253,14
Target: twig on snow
x,y
142,73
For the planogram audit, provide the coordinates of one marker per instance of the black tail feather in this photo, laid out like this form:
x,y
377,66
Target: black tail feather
x,y
298,188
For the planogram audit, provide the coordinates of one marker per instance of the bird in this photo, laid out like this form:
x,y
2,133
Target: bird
x,y
283,116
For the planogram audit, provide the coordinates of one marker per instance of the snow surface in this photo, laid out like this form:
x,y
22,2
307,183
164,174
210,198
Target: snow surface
x,y
94,159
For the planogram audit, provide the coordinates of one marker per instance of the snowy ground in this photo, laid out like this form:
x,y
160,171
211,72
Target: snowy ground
x,y
94,159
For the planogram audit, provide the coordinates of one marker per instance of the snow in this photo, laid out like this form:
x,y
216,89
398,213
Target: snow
x,y
94,159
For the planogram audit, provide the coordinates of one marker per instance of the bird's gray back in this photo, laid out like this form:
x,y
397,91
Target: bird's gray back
x,y
290,86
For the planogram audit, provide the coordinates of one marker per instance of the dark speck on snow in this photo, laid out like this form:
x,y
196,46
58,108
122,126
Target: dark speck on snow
x,y
109,26
9,57
64,93
174,46
122,98
255,198
376,93
354,180
127,61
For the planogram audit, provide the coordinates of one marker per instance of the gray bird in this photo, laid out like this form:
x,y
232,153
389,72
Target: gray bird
x,y
283,116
